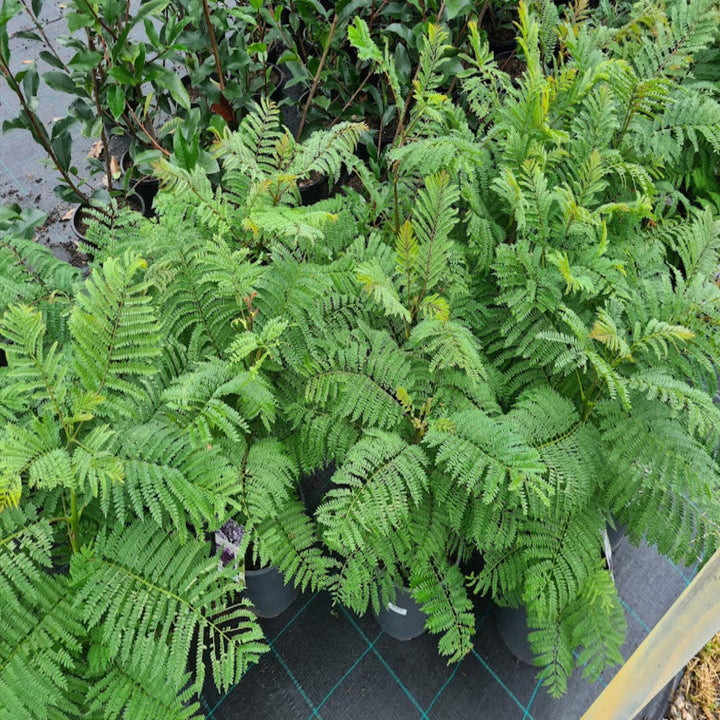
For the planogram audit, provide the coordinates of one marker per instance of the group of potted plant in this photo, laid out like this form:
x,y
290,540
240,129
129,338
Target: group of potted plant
x,y
500,336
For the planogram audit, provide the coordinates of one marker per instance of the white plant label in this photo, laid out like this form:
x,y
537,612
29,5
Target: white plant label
x,y
396,609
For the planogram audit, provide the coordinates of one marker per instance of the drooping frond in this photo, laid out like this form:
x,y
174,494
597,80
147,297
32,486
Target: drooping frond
x,y
291,542
487,456
172,593
40,629
170,479
326,151
380,478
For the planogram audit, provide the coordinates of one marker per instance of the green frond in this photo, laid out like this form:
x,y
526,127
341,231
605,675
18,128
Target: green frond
x,y
697,243
170,479
252,149
148,595
268,475
122,691
599,625
40,629
487,456
381,288
433,219
702,414
30,273
380,479
662,480
319,436
448,344
358,381
201,401
326,151
291,542
439,587
38,371
116,334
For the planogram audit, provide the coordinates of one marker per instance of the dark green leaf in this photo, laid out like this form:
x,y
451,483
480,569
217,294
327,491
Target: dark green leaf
x,y
62,82
453,8
171,82
122,75
85,60
185,155
31,82
62,147
116,100
51,60
151,7
78,20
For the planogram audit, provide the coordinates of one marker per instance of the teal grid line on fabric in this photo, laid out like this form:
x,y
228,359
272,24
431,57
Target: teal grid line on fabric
x,y
498,679
292,619
480,621
635,615
342,679
532,698
576,654
208,712
441,690
297,684
682,574
270,645
387,667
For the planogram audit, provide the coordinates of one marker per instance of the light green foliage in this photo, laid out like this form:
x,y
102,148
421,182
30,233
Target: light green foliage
x,y
532,310
504,345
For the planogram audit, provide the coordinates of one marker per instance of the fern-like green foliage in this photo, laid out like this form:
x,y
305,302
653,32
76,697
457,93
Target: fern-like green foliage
x,y
122,450
263,167
525,307
503,341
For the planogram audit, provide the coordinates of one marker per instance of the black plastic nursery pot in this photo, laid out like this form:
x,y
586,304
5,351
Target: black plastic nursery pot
x,y
403,619
79,218
268,592
314,189
503,49
513,626
146,186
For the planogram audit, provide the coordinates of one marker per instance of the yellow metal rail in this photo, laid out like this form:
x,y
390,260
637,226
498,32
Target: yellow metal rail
x,y
685,628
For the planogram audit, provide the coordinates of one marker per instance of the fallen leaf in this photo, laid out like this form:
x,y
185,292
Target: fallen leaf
x,y
115,167
27,62
68,215
96,150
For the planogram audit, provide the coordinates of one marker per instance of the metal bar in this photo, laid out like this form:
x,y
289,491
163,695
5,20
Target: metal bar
x,y
682,632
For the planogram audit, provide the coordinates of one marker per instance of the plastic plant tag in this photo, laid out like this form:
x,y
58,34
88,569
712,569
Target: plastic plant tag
x,y
396,609
227,542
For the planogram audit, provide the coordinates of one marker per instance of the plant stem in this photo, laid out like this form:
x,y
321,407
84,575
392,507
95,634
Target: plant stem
x,y
400,132
74,530
148,134
46,40
39,133
98,109
354,95
213,44
317,75
100,21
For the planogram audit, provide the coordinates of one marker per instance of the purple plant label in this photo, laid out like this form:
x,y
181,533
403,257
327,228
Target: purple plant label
x,y
396,609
